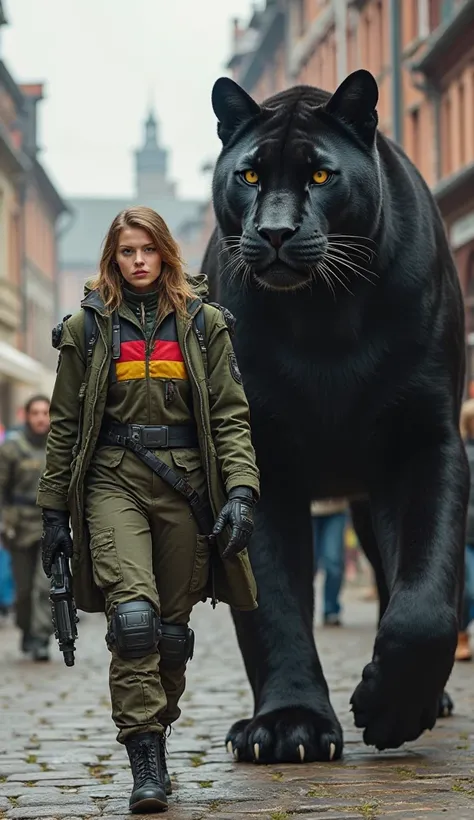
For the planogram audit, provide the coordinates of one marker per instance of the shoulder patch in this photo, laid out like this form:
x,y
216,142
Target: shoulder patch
x,y
234,368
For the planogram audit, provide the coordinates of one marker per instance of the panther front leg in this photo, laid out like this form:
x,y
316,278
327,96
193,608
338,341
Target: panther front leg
x,y
419,517
293,719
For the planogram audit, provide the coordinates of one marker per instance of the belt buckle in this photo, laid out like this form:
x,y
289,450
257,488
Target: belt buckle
x,y
136,433
156,437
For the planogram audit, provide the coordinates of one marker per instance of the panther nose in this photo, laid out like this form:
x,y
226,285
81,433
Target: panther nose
x,y
276,236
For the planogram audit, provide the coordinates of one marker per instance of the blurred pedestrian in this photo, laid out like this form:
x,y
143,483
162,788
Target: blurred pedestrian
x,y
463,650
149,424
22,460
329,519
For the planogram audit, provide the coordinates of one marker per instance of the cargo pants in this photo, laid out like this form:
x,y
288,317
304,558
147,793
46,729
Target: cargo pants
x,y
145,544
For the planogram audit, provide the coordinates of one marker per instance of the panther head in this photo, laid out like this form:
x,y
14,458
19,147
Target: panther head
x,y
297,187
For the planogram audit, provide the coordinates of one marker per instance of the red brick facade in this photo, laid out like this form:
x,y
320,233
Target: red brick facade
x,y
29,210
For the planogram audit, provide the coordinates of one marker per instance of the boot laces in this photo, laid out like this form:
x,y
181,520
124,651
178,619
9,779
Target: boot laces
x,y
146,762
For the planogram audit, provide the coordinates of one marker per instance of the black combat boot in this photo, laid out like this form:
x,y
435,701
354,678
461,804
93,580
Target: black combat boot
x,y
164,768
40,649
26,643
148,794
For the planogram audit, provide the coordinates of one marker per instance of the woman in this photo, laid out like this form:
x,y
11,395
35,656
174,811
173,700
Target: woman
x,y
147,370
463,650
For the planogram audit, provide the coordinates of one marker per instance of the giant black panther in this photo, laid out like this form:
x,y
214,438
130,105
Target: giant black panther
x,y
331,253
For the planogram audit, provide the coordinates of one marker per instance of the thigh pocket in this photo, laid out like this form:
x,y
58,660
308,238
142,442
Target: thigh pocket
x,y
200,572
105,563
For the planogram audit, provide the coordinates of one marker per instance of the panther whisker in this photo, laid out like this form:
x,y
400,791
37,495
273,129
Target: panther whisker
x,y
322,270
346,247
224,239
360,239
356,269
334,274
342,255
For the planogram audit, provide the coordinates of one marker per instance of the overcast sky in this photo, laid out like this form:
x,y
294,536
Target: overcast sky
x,y
102,62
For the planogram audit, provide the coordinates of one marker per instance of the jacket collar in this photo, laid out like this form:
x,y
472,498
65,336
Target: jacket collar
x,y
94,300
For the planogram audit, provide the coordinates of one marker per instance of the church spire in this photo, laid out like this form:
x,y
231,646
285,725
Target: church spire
x,y
151,130
151,163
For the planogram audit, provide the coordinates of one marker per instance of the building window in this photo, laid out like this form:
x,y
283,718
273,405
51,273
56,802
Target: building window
x,y
462,124
423,18
419,20
380,17
434,14
469,311
415,136
447,10
299,7
446,141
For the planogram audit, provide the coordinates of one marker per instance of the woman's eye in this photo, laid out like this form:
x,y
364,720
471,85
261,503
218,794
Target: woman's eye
x,y
150,250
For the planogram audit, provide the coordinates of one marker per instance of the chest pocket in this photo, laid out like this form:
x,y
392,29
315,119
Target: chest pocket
x,y
160,359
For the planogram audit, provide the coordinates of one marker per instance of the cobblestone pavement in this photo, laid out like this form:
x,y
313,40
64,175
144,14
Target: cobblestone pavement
x,y
59,757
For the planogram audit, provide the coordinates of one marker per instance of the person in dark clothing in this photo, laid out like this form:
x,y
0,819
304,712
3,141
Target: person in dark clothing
x,y
463,650
22,460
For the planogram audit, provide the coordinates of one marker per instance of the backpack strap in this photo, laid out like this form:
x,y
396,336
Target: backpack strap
x,y
200,330
91,333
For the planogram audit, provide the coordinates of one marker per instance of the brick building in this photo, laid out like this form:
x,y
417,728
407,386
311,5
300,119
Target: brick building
x,y
29,211
422,55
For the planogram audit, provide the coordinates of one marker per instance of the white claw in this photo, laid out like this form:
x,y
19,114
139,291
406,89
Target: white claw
x,y
230,748
332,751
256,750
302,752
236,755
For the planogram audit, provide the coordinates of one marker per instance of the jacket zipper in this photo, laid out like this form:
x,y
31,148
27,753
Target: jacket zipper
x,y
201,406
147,358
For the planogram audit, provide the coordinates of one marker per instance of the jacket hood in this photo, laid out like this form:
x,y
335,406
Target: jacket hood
x,y
200,285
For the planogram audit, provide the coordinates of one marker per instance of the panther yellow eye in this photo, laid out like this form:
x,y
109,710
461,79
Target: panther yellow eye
x,y
250,176
320,177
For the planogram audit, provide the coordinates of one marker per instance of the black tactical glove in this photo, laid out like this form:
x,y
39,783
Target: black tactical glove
x,y
238,514
56,537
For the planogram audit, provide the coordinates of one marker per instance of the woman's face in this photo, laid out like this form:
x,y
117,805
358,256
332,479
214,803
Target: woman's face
x,y
138,259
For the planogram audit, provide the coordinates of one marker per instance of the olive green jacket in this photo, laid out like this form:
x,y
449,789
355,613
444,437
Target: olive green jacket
x,y
222,417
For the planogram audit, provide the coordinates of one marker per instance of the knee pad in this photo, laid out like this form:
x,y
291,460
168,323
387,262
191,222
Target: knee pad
x,y
176,644
134,630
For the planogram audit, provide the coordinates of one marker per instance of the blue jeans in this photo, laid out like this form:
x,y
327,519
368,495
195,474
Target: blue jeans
x,y
7,592
468,587
328,552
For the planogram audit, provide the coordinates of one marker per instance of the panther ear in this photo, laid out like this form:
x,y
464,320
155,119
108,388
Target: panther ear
x,y
232,106
354,102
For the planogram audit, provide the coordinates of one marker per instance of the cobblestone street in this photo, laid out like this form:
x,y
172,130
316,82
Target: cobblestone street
x,y
59,757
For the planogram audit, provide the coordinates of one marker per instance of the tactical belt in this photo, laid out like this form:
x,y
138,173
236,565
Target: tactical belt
x,y
162,437
113,434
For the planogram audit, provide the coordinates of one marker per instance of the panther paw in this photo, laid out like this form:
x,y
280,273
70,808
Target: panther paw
x,y
289,735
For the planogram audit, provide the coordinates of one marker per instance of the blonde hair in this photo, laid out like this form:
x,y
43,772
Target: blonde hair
x,y
173,286
467,415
